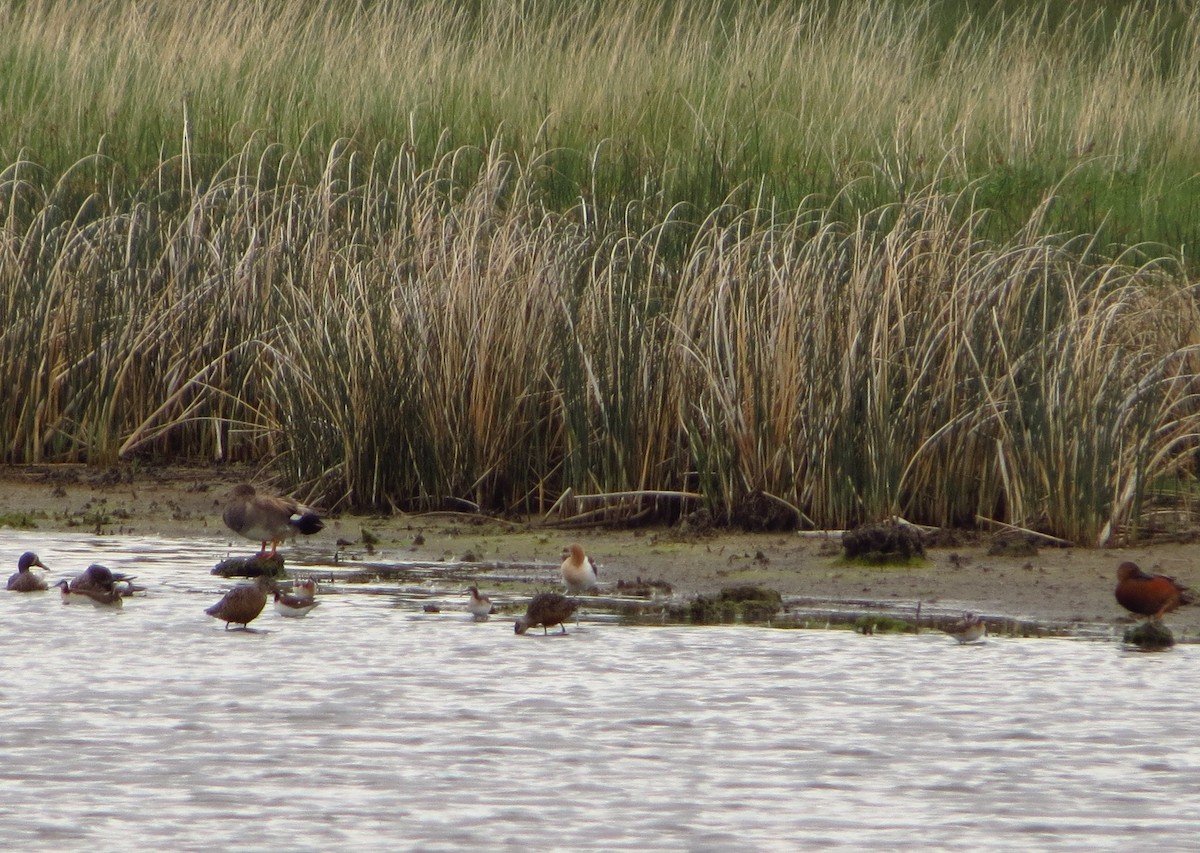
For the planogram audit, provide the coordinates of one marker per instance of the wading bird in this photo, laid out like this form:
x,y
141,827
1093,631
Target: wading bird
x,y
968,629
242,604
546,609
479,605
301,600
578,570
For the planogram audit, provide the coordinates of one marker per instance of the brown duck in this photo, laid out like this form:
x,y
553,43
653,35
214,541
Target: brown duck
x,y
267,518
242,604
25,580
98,578
546,609
1149,595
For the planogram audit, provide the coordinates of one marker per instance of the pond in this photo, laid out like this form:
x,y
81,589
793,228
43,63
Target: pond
x,y
372,725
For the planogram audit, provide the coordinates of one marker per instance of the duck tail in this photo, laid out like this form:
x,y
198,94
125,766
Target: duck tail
x,y
308,524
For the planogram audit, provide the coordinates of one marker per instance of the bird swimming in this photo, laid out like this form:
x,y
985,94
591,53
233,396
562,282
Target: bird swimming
x,y
968,629
546,609
578,570
480,605
1149,595
100,578
301,600
267,518
90,595
242,604
25,580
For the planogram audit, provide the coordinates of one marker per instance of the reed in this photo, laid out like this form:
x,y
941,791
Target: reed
x,y
393,334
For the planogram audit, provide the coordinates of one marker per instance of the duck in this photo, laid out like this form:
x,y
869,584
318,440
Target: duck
x,y
267,518
242,604
89,595
24,580
100,578
969,629
578,570
480,605
1149,595
546,609
301,600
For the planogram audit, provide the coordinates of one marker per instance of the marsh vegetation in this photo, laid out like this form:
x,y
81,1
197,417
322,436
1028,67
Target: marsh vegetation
x,y
858,258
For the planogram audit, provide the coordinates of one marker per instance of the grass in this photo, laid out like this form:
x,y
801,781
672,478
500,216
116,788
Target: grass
x,y
849,259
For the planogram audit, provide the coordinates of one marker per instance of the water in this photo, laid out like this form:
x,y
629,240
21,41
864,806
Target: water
x,y
370,726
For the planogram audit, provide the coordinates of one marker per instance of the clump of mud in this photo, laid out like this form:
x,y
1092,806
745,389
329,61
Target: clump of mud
x,y
757,512
251,567
746,603
1149,634
1013,545
643,588
883,542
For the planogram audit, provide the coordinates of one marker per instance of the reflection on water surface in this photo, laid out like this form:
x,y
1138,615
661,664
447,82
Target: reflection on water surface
x,y
369,725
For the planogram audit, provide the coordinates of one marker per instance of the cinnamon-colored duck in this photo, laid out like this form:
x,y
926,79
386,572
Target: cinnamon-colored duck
x,y
1149,595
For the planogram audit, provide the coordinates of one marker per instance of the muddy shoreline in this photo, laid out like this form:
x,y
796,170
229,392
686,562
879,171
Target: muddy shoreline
x,y
1057,590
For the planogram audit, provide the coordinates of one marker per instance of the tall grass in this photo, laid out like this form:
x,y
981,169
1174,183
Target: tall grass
x,y
394,334
661,103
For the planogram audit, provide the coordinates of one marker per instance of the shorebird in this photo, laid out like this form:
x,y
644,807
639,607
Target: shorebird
x,y
25,580
1149,595
242,604
265,518
301,600
968,629
88,595
479,605
546,609
578,569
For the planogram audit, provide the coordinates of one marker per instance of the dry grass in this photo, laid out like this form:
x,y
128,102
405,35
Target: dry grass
x,y
392,335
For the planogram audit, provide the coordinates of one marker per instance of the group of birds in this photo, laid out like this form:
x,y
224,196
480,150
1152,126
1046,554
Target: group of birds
x,y
271,519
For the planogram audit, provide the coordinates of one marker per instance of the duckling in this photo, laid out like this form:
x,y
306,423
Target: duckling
x,y
546,609
266,518
24,580
242,604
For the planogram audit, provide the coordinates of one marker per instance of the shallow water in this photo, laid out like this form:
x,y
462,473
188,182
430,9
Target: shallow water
x,y
371,725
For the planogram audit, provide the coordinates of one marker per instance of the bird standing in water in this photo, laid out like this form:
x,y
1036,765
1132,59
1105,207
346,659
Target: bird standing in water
x,y
1149,595
546,609
479,605
242,604
267,518
578,570
24,580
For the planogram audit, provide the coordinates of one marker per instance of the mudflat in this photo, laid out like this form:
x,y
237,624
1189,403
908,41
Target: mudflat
x,y
1053,586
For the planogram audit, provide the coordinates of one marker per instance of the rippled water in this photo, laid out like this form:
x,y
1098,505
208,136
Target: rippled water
x,y
369,725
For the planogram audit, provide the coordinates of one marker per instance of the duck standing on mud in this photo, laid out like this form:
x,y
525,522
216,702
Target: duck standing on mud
x,y
267,518
1149,595
23,580
578,570
546,609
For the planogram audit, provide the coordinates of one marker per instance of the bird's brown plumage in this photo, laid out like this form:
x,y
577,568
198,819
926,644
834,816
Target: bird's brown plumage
x,y
546,609
242,604
267,518
1149,595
